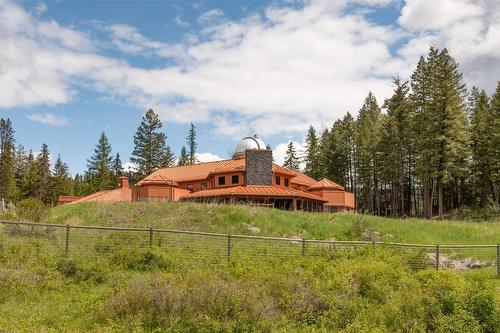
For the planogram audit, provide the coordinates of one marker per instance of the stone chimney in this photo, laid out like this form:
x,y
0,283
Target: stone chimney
x,y
259,166
122,182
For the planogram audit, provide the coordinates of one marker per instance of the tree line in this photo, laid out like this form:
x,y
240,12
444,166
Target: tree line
x,y
434,149
26,175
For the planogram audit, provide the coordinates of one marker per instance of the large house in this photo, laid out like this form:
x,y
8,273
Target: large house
x,y
250,177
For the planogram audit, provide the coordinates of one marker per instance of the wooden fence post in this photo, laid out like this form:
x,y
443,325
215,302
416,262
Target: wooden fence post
x,y
303,247
66,245
228,246
498,260
437,257
150,236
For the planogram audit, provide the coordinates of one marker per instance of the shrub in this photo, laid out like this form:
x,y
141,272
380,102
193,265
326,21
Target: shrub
x,y
31,210
141,259
79,270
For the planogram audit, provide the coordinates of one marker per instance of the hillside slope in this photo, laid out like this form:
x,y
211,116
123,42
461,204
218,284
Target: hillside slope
x,y
273,222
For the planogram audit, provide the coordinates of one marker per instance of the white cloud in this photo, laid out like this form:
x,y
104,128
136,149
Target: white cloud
x,y
211,16
272,73
129,167
180,22
207,157
40,8
49,119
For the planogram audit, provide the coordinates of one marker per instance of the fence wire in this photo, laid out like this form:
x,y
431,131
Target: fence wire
x,y
212,248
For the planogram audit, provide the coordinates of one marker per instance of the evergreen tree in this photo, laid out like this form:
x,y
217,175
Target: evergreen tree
x,y
100,165
183,159
21,162
60,181
396,147
30,177
493,154
312,157
291,158
191,143
8,188
480,144
150,150
367,156
43,175
117,166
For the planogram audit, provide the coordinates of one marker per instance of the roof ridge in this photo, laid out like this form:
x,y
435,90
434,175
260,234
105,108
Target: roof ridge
x,y
200,163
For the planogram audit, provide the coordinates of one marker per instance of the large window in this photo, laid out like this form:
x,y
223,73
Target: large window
x,y
203,186
190,187
278,180
222,180
235,179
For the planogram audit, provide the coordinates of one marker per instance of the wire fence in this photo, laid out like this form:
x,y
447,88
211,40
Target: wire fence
x,y
214,247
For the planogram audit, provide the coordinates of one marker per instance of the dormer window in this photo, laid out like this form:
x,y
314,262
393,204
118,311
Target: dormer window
x,y
222,180
235,179
287,182
278,180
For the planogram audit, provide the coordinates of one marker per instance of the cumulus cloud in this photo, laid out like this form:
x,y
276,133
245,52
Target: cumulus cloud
x,y
269,73
207,157
40,8
49,119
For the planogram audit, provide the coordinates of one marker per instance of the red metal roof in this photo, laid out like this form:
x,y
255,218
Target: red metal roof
x,y
326,184
254,190
201,171
119,194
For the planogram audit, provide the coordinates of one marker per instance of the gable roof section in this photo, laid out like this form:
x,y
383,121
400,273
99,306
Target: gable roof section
x,y
201,171
326,183
301,178
119,194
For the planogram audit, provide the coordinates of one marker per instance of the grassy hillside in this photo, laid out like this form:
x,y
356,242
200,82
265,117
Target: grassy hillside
x,y
133,288
273,222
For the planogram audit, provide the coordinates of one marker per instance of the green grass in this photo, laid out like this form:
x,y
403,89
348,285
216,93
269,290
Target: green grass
x,y
126,288
273,222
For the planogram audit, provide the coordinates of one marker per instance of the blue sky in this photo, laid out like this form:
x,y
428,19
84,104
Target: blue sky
x,y
72,69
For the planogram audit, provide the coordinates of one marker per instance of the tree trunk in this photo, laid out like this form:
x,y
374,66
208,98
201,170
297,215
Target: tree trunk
x,y
440,198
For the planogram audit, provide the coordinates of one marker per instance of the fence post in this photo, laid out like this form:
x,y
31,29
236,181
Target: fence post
x,y
303,252
498,260
66,244
228,246
437,257
150,236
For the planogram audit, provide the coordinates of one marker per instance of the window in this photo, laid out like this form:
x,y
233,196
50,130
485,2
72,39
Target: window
x,y
203,186
287,182
235,179
190,187
222,180
278,180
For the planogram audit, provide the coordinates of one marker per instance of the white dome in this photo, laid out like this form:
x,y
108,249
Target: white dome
x,y
248,143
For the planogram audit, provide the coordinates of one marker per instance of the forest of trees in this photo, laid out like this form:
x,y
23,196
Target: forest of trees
x,y
434,149
25,175
430,148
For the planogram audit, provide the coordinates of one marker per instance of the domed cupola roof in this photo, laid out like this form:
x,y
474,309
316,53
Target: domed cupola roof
x,y
248,143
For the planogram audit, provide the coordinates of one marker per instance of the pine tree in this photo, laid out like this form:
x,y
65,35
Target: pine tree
x,y
442,133
312,157
367,155
191,143
21,162
396,146
8,188
30,177
43,175
60,181
291,158
492,125
100,165
336,154
117,166
183,159
150,150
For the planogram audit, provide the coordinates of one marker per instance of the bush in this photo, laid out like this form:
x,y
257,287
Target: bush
x,y
95,271
31,210
141,259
